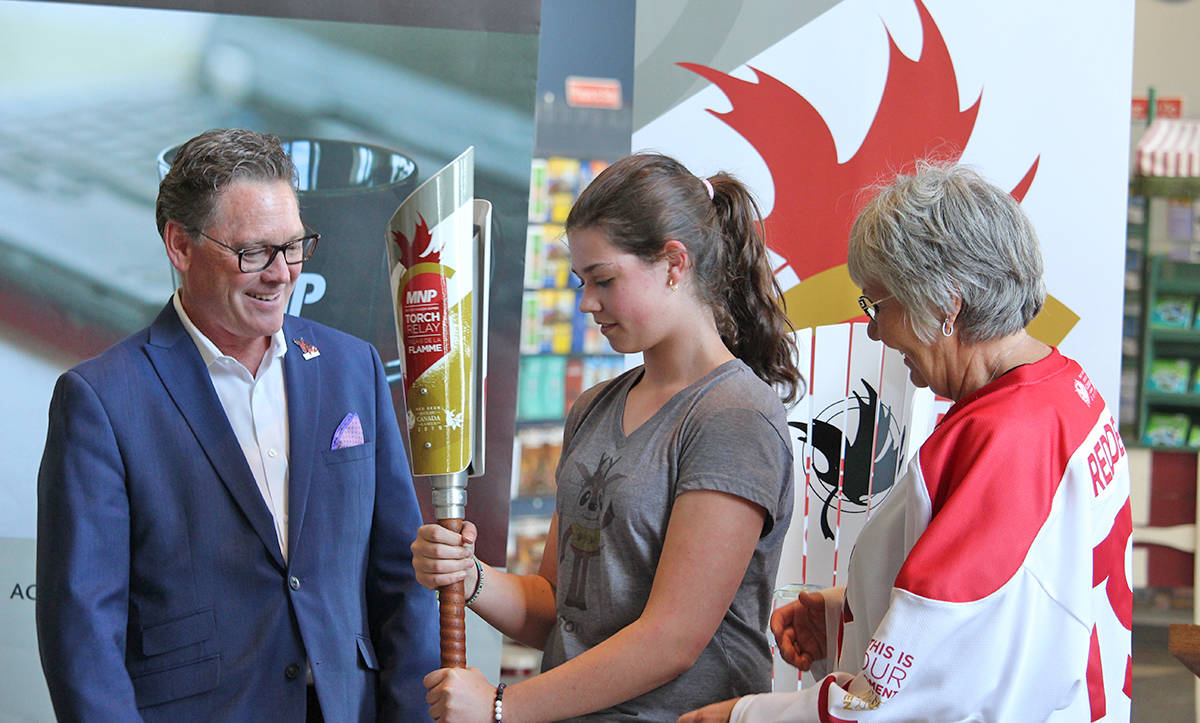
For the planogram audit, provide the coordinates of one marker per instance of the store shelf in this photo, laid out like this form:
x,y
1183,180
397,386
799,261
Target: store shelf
x,y
1168,448
1133,335
1184,187
544,422
1167,399
1183,336
1169,406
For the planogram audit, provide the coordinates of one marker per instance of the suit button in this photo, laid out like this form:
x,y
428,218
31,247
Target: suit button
x,y
292,671
294,582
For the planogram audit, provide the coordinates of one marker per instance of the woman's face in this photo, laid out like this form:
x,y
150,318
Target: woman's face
x,y
625,295
926,362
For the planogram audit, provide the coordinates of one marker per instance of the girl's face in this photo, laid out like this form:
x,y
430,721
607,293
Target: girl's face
x,y
625,295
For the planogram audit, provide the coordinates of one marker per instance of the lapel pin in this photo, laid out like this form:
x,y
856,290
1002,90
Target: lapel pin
x,y
308,351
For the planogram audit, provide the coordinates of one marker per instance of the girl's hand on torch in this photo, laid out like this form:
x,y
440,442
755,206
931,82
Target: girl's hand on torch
x,y
459,695
441,557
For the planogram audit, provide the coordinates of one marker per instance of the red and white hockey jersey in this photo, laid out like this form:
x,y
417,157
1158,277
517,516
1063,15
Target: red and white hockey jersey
x,y
993,584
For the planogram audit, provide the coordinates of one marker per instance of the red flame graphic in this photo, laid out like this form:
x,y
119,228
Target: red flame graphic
x,y
816,198
409,254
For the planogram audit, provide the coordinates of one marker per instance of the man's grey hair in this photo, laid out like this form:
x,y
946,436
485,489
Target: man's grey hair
x,y
204,166
943,233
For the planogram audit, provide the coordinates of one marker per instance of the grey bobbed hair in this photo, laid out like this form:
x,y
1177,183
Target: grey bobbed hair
x,y
942,233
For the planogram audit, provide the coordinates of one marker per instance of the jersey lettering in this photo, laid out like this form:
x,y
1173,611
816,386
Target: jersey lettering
x,y
1108,568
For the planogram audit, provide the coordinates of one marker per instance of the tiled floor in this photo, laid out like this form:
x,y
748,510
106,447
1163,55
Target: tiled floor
x,y
1163,690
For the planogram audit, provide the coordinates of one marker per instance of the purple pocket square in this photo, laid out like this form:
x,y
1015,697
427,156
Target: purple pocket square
x,y
349,433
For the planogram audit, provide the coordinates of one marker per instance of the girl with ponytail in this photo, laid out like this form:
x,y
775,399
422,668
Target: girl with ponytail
x,y
675,481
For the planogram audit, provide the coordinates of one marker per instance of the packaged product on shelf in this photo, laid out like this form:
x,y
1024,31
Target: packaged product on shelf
x,y
1168,430
1194,436
1137,209
593,341
556,258
1195,224
1196,380
1129,326
527,542
1172,311
554,372
1179,219
535,240
598,369
539,192
1130,346
555,319
590,170
587,337
540,387
572,383
539,448
528,384
546,260
1169,375
531,324
547,318
563,176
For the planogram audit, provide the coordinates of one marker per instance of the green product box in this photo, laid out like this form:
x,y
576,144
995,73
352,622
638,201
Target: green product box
x,y
529,381
1172,311
1170,375
552,387
1168,430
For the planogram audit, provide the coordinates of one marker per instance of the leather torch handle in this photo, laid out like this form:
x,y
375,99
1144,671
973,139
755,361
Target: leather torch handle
x,y
452,614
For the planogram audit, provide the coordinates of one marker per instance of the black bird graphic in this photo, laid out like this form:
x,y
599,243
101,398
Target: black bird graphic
x,y
857,484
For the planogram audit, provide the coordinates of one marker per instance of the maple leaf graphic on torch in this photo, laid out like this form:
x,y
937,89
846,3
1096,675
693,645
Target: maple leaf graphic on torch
x,y
817,198
423,239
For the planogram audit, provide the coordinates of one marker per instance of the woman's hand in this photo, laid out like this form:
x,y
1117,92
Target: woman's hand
x,y
713,713
799,629
460,695
442,557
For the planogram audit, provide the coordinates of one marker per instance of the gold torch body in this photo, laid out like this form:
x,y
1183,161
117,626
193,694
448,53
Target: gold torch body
x,y
437,249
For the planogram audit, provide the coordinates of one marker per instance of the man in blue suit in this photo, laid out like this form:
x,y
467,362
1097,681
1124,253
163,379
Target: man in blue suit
x,y
224,503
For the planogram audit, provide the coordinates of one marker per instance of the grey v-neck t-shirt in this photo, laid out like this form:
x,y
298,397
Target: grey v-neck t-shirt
x,y
725,432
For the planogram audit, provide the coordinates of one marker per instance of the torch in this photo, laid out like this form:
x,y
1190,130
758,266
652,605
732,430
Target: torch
x,y
438,253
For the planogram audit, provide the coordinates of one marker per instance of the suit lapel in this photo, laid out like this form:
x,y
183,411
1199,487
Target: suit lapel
x,y
187,381
302,379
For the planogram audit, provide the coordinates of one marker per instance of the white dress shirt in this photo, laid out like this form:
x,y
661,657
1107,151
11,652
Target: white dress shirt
x,y
256,406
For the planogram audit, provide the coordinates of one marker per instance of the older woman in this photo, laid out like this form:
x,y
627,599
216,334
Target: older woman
x,y
991,585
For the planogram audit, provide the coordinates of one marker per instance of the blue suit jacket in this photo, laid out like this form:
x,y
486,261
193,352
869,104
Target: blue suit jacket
x,y
161,588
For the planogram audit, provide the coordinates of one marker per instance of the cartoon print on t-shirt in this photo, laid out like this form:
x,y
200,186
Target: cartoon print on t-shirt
x,y
593,513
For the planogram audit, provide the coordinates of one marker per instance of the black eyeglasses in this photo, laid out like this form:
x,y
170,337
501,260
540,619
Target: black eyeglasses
x,y
870,308
253,259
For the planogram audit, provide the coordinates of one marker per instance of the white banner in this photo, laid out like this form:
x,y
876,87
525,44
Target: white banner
x,y
850,434
1034,95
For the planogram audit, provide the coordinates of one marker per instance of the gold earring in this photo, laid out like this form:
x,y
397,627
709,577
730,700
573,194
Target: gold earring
x,y
672,285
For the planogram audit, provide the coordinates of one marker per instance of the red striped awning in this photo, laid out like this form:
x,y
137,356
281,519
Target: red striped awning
x,y
1170,148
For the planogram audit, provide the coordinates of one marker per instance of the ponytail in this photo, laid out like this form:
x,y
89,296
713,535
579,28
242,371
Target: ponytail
x,y
646,199
752,320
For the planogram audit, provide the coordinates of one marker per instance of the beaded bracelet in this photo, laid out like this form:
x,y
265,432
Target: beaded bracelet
x,y
498,705
478,584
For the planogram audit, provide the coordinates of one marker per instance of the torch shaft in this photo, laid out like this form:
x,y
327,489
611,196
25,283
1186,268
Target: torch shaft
x,y
452,613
